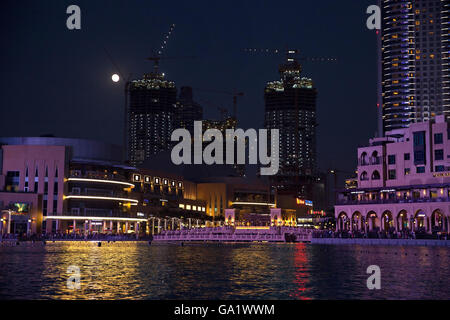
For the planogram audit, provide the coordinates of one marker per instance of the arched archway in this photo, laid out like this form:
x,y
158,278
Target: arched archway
x,y
364,159
343,222
438,223
374,158
387,222
372,221
364,176
402,220
420,221
376,175
357,221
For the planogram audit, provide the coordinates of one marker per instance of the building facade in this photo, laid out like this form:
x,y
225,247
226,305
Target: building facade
x,y
167,200
403,182
235,193
415,61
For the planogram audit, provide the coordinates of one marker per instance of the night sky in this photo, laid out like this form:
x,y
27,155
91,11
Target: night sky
x,y
57,81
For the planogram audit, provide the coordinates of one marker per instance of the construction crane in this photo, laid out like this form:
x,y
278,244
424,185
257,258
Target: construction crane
x,y
223,111
157,56
291,54
234,94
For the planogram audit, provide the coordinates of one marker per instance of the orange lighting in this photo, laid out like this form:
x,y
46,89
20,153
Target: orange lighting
x,y
252,228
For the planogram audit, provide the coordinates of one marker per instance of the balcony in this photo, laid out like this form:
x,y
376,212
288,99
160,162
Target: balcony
x,y
81,217
390,201
116,196
370,162
95,212
100,179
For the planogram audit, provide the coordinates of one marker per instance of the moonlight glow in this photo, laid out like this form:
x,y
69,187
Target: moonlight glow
x,y
115,77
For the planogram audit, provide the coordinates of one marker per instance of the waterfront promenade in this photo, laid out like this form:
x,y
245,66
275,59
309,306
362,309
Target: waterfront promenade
x,y
382,242
15,240
238,234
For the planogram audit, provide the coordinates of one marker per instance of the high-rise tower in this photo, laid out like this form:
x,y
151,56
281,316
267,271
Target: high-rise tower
x,y
290,106
151,115
415,61
187,110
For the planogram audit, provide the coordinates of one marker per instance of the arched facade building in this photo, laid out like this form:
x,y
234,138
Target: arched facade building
x,y
426,216
403,182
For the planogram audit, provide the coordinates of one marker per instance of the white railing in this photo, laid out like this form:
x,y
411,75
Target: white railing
x,y
273,234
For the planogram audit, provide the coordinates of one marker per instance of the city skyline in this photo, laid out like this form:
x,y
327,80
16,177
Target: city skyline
x,y
84,82
229,153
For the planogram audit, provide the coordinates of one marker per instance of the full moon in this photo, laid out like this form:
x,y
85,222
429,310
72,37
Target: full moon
x,y
115,77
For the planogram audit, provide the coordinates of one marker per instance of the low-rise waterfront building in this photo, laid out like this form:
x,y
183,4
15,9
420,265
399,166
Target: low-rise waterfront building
x,y
66,186
78,187
403,183
75,186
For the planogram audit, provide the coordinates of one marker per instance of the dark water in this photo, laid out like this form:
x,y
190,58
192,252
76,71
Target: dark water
x,y
227,271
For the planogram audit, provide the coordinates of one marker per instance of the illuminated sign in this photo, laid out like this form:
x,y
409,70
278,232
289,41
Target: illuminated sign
x,y
445,174
20,207
321,212
252,228
304,202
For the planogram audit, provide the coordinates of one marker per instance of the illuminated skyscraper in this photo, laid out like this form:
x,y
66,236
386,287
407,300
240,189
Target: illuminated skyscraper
x,y
290,106
151,116
415,65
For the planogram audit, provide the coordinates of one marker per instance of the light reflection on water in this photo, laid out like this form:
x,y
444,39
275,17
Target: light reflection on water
x,y
222,271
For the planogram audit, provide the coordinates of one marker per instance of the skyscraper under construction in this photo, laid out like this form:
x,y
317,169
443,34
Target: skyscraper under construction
x,y
151,114
290,106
